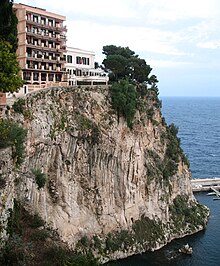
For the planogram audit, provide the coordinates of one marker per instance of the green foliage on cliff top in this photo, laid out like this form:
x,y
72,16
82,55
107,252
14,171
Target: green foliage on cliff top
x,y
123,63
11,134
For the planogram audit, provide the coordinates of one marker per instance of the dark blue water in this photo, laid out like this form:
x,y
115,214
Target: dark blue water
x,y
198,120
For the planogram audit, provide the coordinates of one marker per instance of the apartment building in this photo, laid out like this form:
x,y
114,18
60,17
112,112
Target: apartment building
x,y
41,47
80,66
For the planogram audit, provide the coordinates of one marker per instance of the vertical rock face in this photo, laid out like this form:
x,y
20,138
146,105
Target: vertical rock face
x,y
102,177
7,190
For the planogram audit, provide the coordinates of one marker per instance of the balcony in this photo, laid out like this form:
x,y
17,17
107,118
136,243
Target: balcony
x,y
34,58
44,48
30,21
46,26
61,28
39,35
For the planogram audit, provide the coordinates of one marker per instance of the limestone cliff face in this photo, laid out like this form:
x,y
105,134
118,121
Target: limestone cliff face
x,y
7,190
102,177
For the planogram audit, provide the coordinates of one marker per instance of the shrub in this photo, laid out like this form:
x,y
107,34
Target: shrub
x,y
36,221
185,213
124,100
40,178
173,152
18,106
11,134
40,235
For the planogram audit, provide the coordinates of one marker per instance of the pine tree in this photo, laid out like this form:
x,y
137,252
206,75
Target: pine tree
x,y
8,24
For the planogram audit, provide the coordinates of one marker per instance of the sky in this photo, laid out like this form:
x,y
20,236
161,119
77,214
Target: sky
x,y
179,39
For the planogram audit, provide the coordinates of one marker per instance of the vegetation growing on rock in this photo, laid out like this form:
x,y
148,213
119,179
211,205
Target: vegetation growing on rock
x,y
124,100
186,214
31,242
40,178
11,134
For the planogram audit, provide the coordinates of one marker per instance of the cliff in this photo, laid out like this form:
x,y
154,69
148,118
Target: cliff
x,y
103,186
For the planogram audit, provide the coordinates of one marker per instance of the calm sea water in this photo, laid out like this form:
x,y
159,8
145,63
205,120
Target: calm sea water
x,y
198,120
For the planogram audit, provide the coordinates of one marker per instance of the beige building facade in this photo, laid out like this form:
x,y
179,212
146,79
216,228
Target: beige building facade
x,y
41,47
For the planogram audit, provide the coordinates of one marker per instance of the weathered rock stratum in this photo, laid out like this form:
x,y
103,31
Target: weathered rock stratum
x,y
110,188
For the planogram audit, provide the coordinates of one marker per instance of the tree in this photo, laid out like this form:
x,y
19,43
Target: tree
x,y
121,62
8,24
112,50
10,80
141,69
124,100
117,64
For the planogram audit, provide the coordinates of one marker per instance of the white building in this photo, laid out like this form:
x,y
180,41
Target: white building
x,y
80,66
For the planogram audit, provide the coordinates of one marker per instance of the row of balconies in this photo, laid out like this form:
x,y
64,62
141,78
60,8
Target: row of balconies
x,y
45,57
39,67
41,77
46,25
46,47
46,36
43,44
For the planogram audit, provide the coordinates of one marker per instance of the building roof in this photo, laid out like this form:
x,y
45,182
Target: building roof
x,y
79,51
39,11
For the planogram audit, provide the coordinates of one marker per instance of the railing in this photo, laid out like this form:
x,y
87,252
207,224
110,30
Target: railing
x,y
46,37
47,26
32,88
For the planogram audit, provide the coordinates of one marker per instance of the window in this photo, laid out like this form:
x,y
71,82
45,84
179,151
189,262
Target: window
x,y
50,77
43,77
35,18
43,32
69,59
78,60
84,60
35,76
50,22
58,77
43,21
87,61
27,76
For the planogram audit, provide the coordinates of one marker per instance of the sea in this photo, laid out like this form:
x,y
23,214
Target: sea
x,y
198,120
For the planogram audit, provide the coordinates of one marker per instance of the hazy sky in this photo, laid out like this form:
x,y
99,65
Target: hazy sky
x,y
180,39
